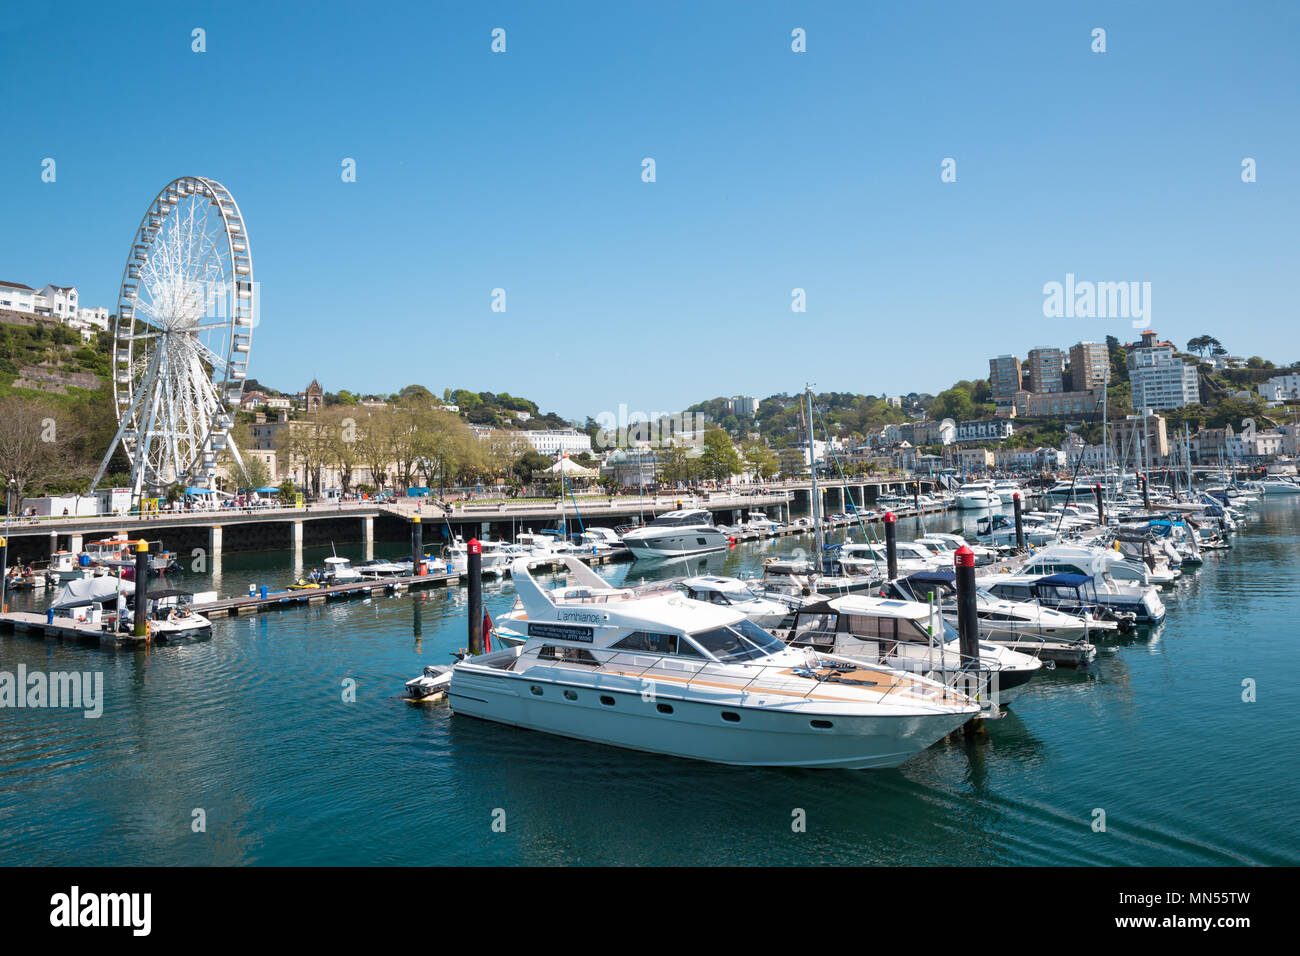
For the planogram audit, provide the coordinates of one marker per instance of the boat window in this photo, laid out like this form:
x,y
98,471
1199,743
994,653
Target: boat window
x,y
740,642
868,625
815,622
686,649
575,655
914,630
760,637
648,641
1015,592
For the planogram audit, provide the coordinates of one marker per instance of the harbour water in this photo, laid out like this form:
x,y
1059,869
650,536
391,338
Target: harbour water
x,y
253,728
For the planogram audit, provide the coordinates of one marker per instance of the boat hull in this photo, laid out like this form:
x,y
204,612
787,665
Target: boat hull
x,y
675,543
697,730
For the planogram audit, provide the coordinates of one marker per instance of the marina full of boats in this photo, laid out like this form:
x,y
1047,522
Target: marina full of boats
x,y
857,655
849,654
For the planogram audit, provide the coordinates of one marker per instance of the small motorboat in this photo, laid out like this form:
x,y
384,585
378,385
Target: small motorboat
x,y
340,571
431,685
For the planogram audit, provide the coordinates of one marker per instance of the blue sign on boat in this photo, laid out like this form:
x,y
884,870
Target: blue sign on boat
x,y
561,632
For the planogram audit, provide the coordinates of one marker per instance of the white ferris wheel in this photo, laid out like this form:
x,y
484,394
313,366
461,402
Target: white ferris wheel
x,y
182,338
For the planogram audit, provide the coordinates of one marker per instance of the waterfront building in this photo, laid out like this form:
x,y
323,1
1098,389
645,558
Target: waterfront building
x,y
636,467
1129,434
995,429
1004,379
1045,369
1076,449
1159,379
1089,366
558,441
928,432
1046,405
973,459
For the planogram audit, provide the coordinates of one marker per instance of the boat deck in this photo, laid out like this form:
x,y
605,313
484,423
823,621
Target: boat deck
x,y
795,683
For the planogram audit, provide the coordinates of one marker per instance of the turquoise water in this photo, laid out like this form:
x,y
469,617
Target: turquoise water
x,y
252,728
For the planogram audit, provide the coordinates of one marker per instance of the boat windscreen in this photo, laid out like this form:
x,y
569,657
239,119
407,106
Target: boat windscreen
x,y
743,641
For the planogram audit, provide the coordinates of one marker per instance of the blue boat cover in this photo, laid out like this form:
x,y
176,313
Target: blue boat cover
x,y
1065,580
932,577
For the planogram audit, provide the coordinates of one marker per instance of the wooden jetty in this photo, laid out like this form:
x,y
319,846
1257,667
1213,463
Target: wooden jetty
x,y
280,600
67,628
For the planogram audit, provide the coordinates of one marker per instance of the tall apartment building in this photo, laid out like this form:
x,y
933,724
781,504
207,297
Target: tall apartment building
x,y
1159,379
1004,378
743,406
1045,368
1089,366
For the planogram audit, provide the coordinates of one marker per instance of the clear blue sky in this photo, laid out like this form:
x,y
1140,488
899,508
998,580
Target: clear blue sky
x,y
775,170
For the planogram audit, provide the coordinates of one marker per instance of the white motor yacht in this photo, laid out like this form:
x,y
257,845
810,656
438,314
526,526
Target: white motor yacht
x,y
676,533
764,610
761,522
1120,585
1020,623
978,496
871,558
494,558
908,635
946,546
665,674
1279,485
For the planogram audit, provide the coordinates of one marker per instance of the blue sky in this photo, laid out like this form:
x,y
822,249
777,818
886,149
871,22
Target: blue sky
x,y
775,170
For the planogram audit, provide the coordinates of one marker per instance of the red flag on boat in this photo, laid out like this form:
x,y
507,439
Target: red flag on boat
x,y
487,631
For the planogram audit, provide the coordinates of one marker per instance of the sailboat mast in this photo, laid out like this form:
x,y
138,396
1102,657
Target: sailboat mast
x,y
816,497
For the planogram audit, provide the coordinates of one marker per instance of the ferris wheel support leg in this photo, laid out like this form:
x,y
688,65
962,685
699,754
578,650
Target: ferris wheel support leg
x,y
117,438
234,452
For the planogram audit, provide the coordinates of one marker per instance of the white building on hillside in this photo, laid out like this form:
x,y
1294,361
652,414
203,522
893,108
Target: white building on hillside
x,y
97,317
1280,387
61,301
17,297
1159,379
559,441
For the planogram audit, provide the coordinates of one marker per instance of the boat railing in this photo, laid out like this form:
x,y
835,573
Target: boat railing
x,y
967,675
822,670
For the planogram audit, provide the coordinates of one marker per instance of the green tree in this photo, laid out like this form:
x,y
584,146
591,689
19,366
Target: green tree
x,y
719,460
955,403
761,460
